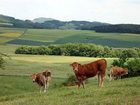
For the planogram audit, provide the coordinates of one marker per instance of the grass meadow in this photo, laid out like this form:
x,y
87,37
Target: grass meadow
x,y
17,88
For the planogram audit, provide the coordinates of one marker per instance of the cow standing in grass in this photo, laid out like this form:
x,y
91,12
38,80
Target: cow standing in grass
x,y
117,72
42,79
92,69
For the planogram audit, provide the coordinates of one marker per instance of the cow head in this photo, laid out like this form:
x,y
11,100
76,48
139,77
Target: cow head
x,y
126,71
33,77
47,73
75,66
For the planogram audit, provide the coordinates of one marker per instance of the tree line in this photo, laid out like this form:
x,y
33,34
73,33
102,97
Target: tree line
x,y
121,28
80,25
79,49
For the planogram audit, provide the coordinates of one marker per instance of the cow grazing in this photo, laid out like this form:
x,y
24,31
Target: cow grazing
x,y
117,72
92,69
42,79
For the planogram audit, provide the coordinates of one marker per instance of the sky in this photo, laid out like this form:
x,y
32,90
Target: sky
x,y
109,11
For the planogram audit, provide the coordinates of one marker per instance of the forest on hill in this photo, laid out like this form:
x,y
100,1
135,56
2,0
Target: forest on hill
x,y
6,21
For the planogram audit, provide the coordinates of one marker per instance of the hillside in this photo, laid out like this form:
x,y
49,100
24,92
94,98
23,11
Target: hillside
x,y
48,23
120,28
41,20
17,87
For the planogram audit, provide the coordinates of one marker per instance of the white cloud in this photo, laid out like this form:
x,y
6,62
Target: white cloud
x,y
112,11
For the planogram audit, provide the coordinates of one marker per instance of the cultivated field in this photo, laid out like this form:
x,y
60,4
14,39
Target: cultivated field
x,y
37,37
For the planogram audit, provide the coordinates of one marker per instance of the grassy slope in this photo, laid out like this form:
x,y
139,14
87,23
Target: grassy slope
x,y
48,36
19,90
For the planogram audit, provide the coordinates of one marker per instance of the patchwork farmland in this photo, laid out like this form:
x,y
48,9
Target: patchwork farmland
x,y
37,37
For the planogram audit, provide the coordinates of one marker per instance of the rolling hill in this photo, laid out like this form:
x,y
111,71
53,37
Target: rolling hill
x,y
48,23
41,20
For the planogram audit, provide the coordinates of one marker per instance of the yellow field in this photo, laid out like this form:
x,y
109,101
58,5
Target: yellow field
x,y
11,35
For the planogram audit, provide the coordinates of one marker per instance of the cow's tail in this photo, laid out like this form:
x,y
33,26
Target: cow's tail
x,y
105,63
110,74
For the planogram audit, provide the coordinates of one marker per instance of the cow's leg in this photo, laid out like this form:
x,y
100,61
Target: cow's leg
x,y
78,84
41,89
102,79
82,84
119,77
99,80
45,87
45,83
111,77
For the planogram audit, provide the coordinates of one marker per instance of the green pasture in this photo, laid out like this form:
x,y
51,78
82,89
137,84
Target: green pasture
x,y
8,49
16,87
20,36
29,64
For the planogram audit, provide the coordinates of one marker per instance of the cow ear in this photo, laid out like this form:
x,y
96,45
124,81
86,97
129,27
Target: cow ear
x,y
49,74
33,74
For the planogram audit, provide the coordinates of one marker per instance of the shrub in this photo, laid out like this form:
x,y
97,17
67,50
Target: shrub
x,y
133,67
71,81
1,62
55,50
80,49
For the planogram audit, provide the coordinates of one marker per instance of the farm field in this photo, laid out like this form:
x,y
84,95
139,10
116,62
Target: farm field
x,y
8,34
37,37
17,87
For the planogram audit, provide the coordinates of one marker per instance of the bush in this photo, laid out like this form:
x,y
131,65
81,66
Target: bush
x,y
79,49
133,67
71,81
1,62
54,50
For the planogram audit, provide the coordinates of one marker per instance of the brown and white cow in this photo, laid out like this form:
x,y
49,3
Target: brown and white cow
x,y
92,69
42,79
117,72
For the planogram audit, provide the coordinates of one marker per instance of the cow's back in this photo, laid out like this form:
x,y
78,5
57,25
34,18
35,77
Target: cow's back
x,y
40,79
93,68
117,70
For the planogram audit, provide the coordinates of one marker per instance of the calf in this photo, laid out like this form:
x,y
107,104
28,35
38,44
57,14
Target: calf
x,y
42,79
117,72
92,69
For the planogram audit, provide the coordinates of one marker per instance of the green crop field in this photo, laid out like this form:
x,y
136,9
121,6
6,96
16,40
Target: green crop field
x,y
8,34
37,37
16,87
